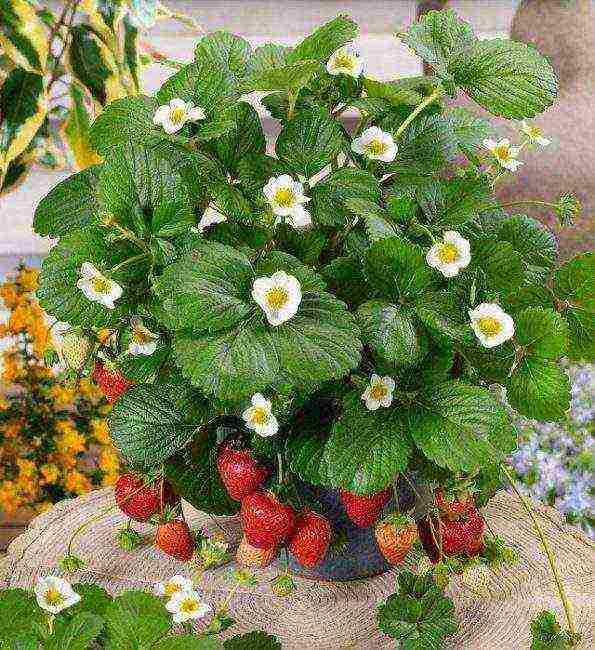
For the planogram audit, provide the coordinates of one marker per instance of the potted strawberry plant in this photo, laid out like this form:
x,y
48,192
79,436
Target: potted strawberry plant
x,y
311,337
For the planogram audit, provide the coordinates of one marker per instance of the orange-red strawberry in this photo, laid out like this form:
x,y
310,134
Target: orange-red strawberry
x,y
240,472
139,499
365,510
395,535
111,382
311,538
250,556
174,538
464,535
454,505
265,520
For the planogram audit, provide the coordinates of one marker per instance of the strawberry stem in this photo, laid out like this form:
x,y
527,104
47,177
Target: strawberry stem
x,y
280,468
546,547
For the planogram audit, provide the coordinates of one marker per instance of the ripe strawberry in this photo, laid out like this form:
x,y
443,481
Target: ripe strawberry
x,y
111,382
311,538
395,536
75,348
464,535
364,510
140,500
240,472
250,556
265,520
174,538
454,505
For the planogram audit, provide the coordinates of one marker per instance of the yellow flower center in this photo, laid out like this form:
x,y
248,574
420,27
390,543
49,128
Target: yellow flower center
x,y
100,285
376,147
448,253
141,335
188,606
344,61
177,115
378,392
259,415
489,326
285,197
535,132
502,152
277,297
53,596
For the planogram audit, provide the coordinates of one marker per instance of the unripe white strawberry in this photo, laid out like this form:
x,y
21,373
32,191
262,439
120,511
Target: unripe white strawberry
x,y
75,348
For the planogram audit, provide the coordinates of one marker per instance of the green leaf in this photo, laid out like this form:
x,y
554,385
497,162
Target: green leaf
x,y
288,77
194,474
188,642
77,130
574,286
443,316
396,93
19,613
94,599
330,196
542,332
149,424
253,641
547,634
437,36
77,633
268,56
398,269
224,51
500,264
23,36
539,389
461,427
20,641
325,40
345,277
134,620
70,205
310,141
305,452
507,78
376,220
469,129
366,449
276,260
533,241
392,332
417,615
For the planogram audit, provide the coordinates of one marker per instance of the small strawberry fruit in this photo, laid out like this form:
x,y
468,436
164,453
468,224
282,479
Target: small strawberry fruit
x,y
266,521
365,510
464,535
74,349
395,536
139,499
250,556
240,472
311,538
111,382
454,505
174,538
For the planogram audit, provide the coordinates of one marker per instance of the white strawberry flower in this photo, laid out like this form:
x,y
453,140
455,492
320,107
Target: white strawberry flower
x,y
142,341
375,144
210,217
259,417
450,255
187,606
279,296
504,153
491,324
97,287
54,594
346,60
174,585
379,392
286,198
173,116
534,134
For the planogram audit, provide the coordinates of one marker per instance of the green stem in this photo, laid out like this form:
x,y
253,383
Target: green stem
x,y
280,467
546,547
528,202
418,109
86,523
128,234
128,261
427,231
292,99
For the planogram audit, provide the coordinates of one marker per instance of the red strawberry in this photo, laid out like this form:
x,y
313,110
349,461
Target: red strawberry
x,y
174,538
139,499
395,536
365,510
250,556
111,382
463,536
311,538
266,521
454,505
240,472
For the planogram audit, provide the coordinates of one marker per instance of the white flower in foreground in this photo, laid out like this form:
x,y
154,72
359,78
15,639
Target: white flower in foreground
x,y
142,341
346,60
210,217
259,417
379,392
491,324
286,198
54,594
173,116
176,584
186,606
278,296
534,134
375,144
450,255
97,287
504,153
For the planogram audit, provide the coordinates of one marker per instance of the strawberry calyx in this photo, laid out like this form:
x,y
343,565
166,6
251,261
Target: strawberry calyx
x,y
397,520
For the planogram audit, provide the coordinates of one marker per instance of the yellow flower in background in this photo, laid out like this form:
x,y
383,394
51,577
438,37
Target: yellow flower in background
x,y
70,440
43,506
62,396
10,295
110,479
26,467
4,404
28,279
13,368
12,429
49,473
18,319
88,389
103,335
100,431
9,498
109,462
77,482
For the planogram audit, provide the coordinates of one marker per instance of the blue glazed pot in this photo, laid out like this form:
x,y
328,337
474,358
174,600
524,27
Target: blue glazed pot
x,y
361,557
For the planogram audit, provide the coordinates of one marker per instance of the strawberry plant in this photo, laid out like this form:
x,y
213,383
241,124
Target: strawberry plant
x,y
343,303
